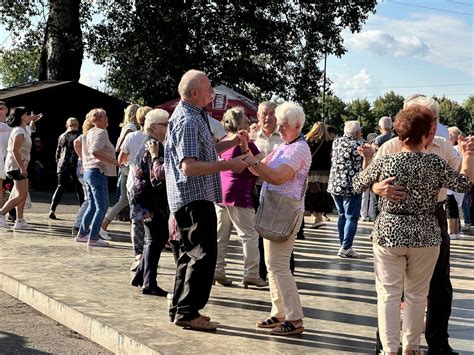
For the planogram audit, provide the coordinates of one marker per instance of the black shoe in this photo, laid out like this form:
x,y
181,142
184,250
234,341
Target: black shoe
x,y
300,236
52,215
444,350
155,291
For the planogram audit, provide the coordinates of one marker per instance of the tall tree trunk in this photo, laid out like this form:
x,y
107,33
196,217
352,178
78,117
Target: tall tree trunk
x,y
62,51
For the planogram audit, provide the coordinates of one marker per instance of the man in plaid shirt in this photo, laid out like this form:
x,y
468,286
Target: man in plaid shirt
x,y
193,185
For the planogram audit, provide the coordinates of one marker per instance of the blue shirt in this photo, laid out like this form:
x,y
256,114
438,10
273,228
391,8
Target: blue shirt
x,y
189,136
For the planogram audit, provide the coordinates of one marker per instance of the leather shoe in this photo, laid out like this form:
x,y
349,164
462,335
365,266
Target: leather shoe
x,y
254,282
155,291
222,280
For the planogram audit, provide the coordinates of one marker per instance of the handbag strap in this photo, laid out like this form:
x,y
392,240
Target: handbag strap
x,y
319,146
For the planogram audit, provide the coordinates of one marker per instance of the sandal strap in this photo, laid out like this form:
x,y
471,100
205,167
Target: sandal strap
x,y
287,327
270,321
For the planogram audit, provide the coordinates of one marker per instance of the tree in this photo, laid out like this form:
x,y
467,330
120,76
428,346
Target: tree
x,y
468,105
256,47
62,50
453,114
360,110
387,105
19,66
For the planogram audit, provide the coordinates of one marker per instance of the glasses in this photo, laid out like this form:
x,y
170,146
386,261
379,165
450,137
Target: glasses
x,y
165,124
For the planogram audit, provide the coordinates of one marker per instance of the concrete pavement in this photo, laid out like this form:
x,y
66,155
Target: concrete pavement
x,y
88,290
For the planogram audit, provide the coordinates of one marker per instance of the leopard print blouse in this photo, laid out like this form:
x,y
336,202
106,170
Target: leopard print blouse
x,y
412,222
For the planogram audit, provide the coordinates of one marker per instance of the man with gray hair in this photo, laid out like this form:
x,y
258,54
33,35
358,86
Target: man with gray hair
x,y
385,128
193,186
345,163
441,292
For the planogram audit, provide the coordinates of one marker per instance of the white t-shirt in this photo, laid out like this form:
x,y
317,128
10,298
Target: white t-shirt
x,y
4,134
217,129
127,127
131,146
25,150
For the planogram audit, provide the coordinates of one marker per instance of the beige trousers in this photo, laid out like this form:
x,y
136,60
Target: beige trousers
x,y
407,272
242,220
283,292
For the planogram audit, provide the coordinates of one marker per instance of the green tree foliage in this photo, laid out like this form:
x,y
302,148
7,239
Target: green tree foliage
x,y
19,66
453,114
360,110
387,105
468,105
257,47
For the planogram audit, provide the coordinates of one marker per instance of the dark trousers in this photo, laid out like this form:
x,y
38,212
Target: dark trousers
x,y
262,267
65,178
156,236
440,294
197,224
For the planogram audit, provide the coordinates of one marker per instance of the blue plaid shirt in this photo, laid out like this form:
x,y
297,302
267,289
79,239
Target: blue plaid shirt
x,y
189,136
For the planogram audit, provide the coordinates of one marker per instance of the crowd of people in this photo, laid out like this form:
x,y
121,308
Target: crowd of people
x,y
188,180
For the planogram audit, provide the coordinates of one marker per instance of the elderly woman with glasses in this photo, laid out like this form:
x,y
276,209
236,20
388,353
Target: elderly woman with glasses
x,y
98,160
284,171
148,201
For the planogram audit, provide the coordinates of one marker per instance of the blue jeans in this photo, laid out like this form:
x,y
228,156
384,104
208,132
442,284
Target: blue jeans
x,y
467,206
98,197
348,208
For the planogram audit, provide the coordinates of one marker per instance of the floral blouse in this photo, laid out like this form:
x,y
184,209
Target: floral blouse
x,y
148,193
66,157
412,222
345,163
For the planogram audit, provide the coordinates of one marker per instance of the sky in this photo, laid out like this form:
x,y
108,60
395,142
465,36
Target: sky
x,y
408,46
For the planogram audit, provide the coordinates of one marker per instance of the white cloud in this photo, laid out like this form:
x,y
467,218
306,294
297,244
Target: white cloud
x,y
382,43
91,74
349,87
439,39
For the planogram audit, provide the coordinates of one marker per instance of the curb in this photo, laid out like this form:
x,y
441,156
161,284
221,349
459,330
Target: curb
x,y
91,328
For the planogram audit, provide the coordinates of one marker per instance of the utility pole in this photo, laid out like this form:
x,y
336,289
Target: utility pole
x,y
324,89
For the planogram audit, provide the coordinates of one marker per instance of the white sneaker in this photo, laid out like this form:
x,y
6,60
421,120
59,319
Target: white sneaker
x,y
103,234
366,219
21,224
466,227
348,253
454,236
3,223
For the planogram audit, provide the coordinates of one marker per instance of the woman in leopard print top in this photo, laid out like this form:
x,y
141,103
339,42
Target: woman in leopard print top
x,y
406,234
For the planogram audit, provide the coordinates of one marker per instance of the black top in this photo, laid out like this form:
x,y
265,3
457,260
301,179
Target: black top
x,y
322,159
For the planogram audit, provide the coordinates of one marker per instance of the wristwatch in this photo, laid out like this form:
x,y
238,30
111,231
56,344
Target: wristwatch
x,y
256,162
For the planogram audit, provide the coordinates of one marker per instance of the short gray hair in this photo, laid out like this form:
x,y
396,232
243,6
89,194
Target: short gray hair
x,y
424,101
291,113
233,118
385,122
352,127
155,116
191,80
264,104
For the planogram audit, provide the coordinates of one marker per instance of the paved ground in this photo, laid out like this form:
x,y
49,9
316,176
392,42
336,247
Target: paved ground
x,y
338,295
24,330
